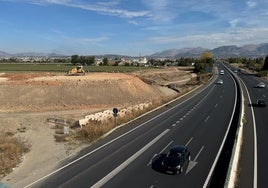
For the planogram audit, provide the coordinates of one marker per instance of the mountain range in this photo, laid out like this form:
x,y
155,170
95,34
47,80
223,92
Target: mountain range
x,y
250,51
30,54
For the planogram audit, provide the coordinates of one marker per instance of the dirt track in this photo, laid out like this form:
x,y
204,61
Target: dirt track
x,y
27,100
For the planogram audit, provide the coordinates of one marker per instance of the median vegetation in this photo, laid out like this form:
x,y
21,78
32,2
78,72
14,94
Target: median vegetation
x,y
256,65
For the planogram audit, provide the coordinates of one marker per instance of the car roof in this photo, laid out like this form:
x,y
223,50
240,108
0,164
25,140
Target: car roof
x,y
178,148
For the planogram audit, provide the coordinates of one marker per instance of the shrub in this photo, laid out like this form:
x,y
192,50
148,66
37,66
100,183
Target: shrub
x,y
262,73
11,151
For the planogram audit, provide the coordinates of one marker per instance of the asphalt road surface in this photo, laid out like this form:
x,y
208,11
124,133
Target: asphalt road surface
x,y
253,165
131,157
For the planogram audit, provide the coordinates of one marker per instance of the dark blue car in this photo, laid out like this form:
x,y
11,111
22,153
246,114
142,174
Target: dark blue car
x,y
176,160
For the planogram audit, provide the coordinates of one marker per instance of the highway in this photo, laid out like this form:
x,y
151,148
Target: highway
x,y
131,156
254,153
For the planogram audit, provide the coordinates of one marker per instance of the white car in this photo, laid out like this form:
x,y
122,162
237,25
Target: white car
x,y
261,85
220,81
222,72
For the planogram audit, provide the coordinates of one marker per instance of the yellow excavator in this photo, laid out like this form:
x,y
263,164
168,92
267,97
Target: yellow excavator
x,y
76,71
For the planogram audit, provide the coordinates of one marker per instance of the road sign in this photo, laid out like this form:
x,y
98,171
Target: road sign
x,y
115,110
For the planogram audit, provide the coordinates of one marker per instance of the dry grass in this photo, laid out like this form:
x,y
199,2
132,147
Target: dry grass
x,y
91,132
94,130
11,151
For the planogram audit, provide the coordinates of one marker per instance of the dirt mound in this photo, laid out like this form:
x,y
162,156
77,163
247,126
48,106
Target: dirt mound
x,y
43,92
28,100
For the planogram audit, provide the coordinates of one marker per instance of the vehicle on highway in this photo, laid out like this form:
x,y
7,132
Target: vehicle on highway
x,y
176,160
220,81
261,103
222,72
260,85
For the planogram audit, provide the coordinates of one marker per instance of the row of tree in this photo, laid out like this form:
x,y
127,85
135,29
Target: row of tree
x,y
82,60
257,64
201,65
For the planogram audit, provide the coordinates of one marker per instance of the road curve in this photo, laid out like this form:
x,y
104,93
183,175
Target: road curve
x,y
125,158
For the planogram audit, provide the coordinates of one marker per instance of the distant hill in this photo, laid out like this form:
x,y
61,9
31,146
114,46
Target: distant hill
x,y
260,50
4,54
251,50
177,53
30,54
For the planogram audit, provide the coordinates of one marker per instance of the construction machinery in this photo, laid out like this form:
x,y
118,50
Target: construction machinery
x,y
76,71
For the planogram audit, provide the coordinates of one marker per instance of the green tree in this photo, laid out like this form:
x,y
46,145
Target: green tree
x,y
205,60
74,59
105,61
90,60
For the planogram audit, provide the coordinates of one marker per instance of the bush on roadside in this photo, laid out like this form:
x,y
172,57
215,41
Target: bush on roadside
x,y
95,129
11,150
262,74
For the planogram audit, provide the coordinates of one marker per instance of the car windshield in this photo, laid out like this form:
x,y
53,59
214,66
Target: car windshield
x,y
174,154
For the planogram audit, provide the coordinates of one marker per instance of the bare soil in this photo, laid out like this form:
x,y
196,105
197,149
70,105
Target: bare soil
x,y
27,100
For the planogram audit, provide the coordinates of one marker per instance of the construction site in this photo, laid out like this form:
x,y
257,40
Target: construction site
x,y
33,103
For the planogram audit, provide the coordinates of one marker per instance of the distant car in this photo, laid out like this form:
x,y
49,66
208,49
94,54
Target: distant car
x,y
220,81
176,160
222,72
235,71
261,103
260,85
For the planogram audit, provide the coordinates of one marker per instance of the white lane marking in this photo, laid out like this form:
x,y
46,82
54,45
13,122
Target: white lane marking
x,y
166,146
207,118
216,105
150,162
255,179
264,95
178,122
223,141
189,141
118,169
181,119
128,132
199,153
174,125
193,163
221,96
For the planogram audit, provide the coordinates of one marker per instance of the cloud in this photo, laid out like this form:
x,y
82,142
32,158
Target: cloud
x,y
107,8
133,22
251,4
234,22
238,37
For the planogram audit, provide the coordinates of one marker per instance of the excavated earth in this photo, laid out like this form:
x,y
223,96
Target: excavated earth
x,y
27,100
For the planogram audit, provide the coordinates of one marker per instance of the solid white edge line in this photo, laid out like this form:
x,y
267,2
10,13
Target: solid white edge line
x,y
225,136
255,142
114,172
212,79
233,166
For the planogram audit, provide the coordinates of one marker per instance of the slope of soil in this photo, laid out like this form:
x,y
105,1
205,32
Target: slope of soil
x,y
28,99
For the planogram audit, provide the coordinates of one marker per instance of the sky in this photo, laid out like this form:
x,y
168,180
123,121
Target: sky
x,y
129,27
